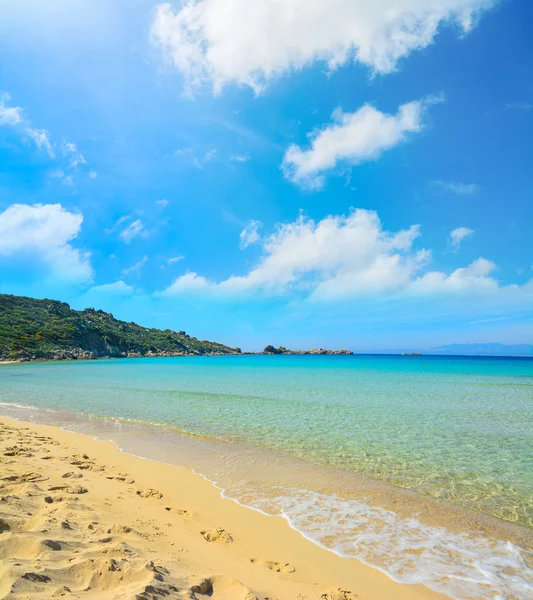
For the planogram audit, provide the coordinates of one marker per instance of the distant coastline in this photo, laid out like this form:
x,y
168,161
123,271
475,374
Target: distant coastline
x,y
48,330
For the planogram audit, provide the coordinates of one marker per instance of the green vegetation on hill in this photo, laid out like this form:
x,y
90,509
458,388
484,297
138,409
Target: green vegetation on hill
x,y
48,329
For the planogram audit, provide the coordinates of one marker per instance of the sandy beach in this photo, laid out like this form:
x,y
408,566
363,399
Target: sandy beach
x,y
80,519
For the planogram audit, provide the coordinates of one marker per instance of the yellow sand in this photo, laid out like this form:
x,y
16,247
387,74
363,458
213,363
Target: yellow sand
x,y
80,519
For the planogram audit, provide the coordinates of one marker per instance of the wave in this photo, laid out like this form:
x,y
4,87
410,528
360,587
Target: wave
x,y
462,565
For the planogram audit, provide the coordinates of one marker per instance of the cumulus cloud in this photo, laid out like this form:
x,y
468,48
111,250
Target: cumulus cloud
x,y
42,234
346,257
340,255
13,116
457,187
162,203
132,230
190,282
223,41
475,277
351,138
458,235
250,234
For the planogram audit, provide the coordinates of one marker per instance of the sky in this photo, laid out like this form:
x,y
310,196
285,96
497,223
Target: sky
x,y
331,173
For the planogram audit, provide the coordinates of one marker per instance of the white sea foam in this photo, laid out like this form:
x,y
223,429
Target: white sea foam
x,y
461,565
14,405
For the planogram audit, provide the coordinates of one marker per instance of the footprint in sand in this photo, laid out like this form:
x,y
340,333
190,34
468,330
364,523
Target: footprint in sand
x,y
121,477
72,475
79,462
4,526
218,535
36,578
52,499
275,566
18,451
26,477
76,489
70,489
179,511
47,440
338,594
119,529
219,587
149,493
52,545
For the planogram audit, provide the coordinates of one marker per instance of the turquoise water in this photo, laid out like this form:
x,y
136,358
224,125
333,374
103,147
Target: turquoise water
x,y
454,429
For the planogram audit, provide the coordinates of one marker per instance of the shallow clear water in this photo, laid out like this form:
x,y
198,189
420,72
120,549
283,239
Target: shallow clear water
x,y
454,429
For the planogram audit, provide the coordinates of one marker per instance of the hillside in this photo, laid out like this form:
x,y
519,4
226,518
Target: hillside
x,y
48,329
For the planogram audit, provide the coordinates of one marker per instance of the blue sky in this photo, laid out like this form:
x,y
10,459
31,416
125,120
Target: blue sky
x,y
308,173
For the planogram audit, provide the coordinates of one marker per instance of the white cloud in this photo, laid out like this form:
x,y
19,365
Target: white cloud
x,y
12,116
198,162
136,268
458,235
190,282
9,115
242,158
174,259
118,288
76,157
118,223
456,187
42,233
351,138
162,203
250,234
475,277
338,256
351,256
223,41
92,175
132,230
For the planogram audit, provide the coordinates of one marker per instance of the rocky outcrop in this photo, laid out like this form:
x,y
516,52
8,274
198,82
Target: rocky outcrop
x,y
320,351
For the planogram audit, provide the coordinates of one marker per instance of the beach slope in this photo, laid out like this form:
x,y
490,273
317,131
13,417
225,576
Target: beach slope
x,y
80,519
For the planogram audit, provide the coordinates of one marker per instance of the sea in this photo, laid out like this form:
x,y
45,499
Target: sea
x,y
421,466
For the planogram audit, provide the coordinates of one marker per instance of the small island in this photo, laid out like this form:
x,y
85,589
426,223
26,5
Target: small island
x,y
319,351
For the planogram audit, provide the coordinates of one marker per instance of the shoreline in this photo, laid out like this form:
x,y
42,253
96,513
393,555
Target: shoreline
x,y
429,510
268,540
295,353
